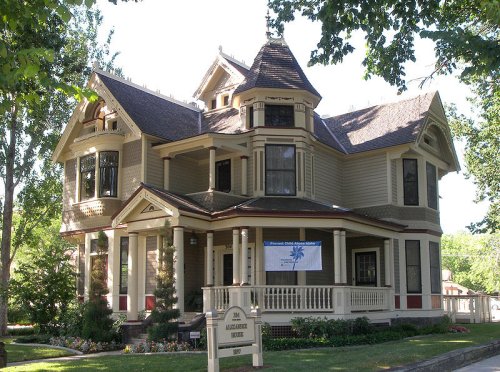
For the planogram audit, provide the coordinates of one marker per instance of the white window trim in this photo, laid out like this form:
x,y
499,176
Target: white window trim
x,y
353,261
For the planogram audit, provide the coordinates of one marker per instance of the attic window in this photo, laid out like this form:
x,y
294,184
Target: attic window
x,y
279,116
213,104
225,101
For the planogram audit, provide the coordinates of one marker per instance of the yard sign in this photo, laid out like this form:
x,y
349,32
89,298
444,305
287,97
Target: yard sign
x,y
235,334
292,255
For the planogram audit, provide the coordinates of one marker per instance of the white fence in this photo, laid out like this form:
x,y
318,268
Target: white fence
x,y
469,308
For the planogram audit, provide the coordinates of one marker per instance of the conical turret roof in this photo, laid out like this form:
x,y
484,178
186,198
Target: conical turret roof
x,y
276,67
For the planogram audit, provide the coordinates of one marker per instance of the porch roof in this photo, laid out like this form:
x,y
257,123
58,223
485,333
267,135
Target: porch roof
x,y
217,205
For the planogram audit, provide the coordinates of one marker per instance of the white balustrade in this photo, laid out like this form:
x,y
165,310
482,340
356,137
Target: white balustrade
x,y
468,308
279,298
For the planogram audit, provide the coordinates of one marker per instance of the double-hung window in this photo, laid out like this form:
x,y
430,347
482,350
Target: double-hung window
x,y
435,267
280,170
410,181
432,196
223,175
413,267
123,265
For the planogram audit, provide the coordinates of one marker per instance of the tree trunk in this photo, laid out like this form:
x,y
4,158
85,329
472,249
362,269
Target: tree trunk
x,y
7,222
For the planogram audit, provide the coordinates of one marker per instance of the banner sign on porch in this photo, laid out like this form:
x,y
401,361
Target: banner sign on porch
x,y
292,256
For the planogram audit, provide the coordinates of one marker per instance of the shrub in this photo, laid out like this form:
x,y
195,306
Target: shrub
x,y
157,347
84,345
71,321
322,328
97,321
23,331
34,339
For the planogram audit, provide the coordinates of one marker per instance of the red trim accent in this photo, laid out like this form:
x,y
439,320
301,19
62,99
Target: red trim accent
x,y
397,302
414,302
122,305
150,302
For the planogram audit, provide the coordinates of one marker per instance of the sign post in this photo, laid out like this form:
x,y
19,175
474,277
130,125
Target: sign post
x,y
235,334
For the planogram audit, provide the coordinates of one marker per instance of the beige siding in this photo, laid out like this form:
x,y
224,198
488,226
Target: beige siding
x,y
69,191
394,181
154,167
250,175
131,168
236,176
187,176
325,276
365,181
328,178
195,270
151,264
308,175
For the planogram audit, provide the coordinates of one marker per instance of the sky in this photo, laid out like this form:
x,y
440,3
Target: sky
x,y
169,45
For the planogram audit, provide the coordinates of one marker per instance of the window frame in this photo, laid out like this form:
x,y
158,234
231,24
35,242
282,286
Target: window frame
x,y
435,268
432,186
410,187
123,278
92,173
218,166
416,266
268,170
114,192
272,118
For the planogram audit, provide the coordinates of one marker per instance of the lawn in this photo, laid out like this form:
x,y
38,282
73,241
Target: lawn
x,y
360,358
18,353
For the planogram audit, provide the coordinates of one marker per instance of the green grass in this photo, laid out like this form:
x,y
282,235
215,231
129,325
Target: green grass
x,y
359,358
19,353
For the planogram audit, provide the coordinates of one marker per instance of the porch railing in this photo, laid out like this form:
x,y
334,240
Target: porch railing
x,y
334,299
468,308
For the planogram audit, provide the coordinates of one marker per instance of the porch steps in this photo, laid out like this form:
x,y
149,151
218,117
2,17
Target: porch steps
x,y
139,339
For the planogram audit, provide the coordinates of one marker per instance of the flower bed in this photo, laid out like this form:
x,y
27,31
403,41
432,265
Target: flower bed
x,y
158,347
85,346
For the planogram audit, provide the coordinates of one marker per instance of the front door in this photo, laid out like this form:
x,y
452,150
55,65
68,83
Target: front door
x,y
227,269
366,268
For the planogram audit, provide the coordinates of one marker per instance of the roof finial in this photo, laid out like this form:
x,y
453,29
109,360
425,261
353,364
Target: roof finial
x,y
268,25
220,48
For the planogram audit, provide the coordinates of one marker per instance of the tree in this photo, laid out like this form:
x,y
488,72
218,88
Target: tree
x,y
466,35
32,115
97,322
164,315
43,282
474,260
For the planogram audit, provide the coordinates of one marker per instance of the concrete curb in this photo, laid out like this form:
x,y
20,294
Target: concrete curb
x,y
454,359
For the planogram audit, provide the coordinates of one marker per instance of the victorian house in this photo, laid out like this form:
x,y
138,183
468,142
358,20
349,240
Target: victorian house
x,y
255,170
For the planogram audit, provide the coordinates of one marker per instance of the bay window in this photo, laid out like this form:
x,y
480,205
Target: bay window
x,y
106,164
435,267
432,196
279,116
108,173
410,181
280,170
413,267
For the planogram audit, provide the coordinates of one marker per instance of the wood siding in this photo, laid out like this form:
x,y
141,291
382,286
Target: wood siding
x,y
365,181
187,175
131,168
325,276
394,181
236,175
154,167
328,178
69,190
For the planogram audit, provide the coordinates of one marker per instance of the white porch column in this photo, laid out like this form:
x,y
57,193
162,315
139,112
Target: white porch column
x,y
259,257
211,177
336,256
343,258
179,266
166,173
387,261
244,175
244,256
210,258
133,266
236,256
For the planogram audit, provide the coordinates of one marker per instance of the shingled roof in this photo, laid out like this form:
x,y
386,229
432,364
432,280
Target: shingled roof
x,y
154,114
276,67
381,126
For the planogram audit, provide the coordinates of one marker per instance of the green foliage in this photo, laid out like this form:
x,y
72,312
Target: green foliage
x,y
474,260
34,339
164,314
71,321
43,281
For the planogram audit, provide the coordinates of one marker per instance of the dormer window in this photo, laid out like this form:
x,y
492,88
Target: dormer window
x,y
279,116
225,100
213,104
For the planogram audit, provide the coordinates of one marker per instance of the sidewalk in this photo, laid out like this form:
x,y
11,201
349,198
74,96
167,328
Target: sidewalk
x,y
487,365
